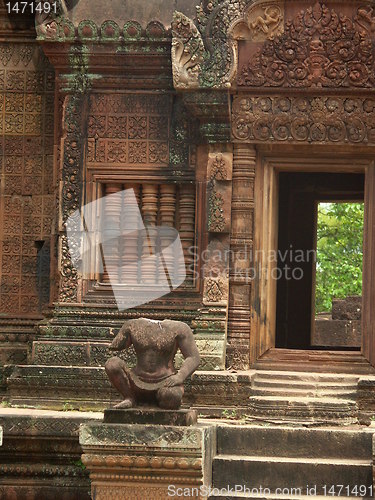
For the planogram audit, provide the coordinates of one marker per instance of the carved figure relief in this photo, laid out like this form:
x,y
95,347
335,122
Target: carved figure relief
x,y
366,18
319,48
220,166
265,22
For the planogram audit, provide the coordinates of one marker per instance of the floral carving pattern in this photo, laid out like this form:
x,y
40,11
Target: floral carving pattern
x,y
74,120
135,131
216,220
300,119
319,48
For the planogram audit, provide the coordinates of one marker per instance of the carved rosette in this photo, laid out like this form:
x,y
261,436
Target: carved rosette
x,y
319,48
325,120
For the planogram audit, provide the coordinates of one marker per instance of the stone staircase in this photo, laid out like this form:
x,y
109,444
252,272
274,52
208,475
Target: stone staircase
x,y
292,462
304,397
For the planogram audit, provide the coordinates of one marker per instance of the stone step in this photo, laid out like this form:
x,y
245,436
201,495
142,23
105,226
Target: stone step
x,y
303,408
314,392
276,472
275,383
277,441
303,377
343,367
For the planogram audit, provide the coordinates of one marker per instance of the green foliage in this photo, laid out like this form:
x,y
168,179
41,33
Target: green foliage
x,y
339,252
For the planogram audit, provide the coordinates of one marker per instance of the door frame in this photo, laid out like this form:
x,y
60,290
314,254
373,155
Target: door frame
x,y
271,161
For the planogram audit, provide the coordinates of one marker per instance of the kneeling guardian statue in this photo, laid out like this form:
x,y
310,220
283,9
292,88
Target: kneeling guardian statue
x,y
154,380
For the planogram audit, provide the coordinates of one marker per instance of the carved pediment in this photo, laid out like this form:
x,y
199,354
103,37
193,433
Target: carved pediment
x,y
319,48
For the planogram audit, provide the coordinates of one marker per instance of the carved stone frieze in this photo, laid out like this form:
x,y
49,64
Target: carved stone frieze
x,y
335,120
58,27
206,46
320,48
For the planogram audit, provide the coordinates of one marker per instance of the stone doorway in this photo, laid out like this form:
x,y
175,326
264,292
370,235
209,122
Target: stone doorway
x,y
272,167
298,196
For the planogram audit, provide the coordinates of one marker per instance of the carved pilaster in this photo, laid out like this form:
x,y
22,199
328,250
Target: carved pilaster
x,y
244,157
72,147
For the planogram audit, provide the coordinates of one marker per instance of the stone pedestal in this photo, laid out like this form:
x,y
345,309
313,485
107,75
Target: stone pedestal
x,y
150,461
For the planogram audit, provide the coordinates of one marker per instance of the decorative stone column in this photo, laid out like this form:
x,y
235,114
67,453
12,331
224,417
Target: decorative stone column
x,y
147,461
241,243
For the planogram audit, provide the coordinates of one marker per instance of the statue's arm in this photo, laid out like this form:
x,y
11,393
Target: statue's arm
x,y
190,352
123,339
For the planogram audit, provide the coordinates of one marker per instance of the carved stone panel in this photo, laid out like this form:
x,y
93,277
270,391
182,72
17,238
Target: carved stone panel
x,y
321,47
318,120
26,164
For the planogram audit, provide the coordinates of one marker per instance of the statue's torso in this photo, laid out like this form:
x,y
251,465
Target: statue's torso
x,y
155,345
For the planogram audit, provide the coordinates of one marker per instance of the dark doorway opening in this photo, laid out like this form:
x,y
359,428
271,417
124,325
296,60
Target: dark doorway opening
x,y
299,195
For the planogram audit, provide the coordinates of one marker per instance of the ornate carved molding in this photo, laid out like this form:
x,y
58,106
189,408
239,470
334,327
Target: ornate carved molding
x,y
57,27
325,120
319,48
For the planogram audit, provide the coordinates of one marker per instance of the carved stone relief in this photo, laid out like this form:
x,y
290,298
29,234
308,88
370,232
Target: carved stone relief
x,y
187,52
319,48
336,120
215,291
26,160
265,21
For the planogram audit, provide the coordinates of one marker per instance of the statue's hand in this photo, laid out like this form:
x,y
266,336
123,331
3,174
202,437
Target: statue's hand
x,y
174,380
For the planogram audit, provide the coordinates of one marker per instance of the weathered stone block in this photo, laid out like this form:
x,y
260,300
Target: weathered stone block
x,y
349,308
337,333
142,461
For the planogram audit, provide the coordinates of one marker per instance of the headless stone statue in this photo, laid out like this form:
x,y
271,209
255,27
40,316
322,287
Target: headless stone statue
x,y
154,379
